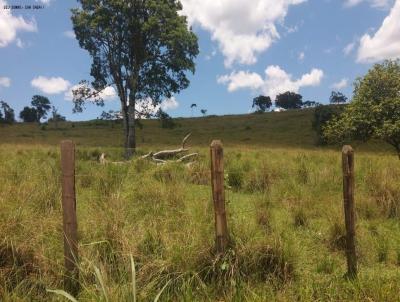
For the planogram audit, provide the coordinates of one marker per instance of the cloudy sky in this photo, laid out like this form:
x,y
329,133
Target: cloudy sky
x,y
247,48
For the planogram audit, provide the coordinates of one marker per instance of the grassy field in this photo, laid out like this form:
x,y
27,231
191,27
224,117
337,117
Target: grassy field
x,y
284,205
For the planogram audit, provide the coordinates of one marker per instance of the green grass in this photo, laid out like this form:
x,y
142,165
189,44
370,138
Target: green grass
x,y
290,129
284,205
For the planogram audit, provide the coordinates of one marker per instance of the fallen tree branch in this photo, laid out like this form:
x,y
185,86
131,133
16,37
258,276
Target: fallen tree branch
x,y
161,157
186,157
185,139
168,153
150,154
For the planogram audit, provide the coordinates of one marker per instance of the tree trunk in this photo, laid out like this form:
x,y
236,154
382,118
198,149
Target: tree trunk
x,y
126,127
131,134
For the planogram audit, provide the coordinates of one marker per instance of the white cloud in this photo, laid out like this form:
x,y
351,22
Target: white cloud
x,y
169,104
11,25
5,82
52,85
301,56
241,80
341,84
349,48
382,4
242,29
385,43
69,34
276,81
146,106
107,94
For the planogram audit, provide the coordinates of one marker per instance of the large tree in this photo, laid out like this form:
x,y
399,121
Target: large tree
x,y
262,103
28,115
42,106
141,48
9,116
289,100
375,109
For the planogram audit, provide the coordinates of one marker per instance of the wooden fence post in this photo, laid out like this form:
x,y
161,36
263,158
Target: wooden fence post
x,y
71,281
348,197
217,183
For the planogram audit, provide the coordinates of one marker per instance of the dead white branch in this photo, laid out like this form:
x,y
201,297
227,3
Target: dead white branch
x,y
168,153
161,157
187,157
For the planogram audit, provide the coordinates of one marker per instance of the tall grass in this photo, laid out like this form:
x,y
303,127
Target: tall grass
x,y
147,232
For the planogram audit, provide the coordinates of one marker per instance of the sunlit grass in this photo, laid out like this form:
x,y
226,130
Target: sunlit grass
x,y
284,216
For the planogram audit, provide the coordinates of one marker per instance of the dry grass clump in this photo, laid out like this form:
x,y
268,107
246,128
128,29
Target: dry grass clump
x,y
384,187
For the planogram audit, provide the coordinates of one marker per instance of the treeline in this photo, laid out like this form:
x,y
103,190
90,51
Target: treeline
x,y
291,100
39,110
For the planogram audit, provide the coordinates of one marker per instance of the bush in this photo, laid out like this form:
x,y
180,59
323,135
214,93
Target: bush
x,y
322,115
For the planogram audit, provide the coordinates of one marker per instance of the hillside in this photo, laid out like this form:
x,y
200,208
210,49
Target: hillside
x,y
291,129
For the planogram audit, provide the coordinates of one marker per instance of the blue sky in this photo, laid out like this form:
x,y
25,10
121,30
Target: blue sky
x,y
247,48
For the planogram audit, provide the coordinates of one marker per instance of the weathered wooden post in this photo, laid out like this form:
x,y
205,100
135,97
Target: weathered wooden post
x,y
71,281
348,197
217,183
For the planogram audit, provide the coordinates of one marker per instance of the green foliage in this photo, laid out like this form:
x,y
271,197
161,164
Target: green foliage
x,y
28,115
289,100
55,116
375,109
262,103
310,104
322,115
143,49
7,116
337,98
42,106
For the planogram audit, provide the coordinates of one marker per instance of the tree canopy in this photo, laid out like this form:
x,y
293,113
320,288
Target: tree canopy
x,y
28,114
262,103
141,48
42,106
337,98
7,116
289,100
375,109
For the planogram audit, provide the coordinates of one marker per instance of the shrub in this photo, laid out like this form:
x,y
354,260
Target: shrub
x,y
322,115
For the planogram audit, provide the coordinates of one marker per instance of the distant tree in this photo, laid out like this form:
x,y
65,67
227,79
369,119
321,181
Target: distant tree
x,y
28,115
193,106
56,117
143,49
165,119
289,100
8,112
310,104
203,112
262,103
374,111
42,106
337,98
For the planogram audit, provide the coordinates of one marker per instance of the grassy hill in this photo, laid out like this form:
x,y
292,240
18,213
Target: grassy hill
x,y
284,207
290,129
